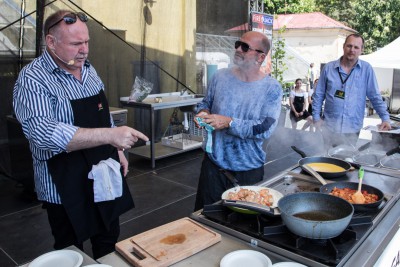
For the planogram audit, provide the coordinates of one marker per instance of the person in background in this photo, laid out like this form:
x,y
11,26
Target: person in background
x,y
310,100
243,105
60,102
312,74
344,85
298,100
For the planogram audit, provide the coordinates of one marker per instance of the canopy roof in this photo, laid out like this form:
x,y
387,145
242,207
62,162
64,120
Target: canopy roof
x,y
386,57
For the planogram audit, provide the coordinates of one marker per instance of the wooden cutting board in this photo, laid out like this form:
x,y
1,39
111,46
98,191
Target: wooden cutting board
x,y
167,244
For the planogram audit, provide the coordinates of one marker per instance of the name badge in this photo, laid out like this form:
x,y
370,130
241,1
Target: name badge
x,y
339,94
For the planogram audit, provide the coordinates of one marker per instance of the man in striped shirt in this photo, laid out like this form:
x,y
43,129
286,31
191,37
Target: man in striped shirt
x,y
60,102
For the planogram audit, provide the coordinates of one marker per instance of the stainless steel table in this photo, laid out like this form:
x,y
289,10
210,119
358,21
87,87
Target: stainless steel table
x,y
210,256
169,100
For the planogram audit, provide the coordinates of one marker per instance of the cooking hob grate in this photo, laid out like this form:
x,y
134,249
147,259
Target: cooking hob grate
x,y
272,230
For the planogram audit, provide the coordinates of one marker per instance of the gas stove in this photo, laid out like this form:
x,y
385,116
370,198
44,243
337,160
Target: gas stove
x,y
368,229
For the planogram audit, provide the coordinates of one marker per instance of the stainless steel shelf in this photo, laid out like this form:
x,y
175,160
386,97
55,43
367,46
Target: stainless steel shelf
x,y
169,100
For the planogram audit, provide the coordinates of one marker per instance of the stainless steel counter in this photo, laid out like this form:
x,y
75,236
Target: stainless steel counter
x,y
371,245
367,253
209,257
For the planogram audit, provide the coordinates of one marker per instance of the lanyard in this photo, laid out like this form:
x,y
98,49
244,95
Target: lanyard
x,y
345,80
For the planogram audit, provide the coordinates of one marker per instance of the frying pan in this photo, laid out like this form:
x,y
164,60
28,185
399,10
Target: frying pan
x,y
379,158
308,214
369,158
306,160
327,188
342,152
392,162
346,152
249,207
315,215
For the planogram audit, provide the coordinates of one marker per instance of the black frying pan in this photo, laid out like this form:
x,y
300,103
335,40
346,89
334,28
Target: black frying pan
x,y
358,207
306,160
327,188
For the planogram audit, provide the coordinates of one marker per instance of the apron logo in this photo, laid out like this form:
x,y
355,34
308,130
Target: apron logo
x,y
100,106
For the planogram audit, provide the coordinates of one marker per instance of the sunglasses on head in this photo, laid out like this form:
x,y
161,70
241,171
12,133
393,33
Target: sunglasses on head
x,y
70,18
245,47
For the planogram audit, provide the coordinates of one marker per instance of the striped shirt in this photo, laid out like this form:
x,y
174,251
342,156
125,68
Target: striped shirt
x,y
42,105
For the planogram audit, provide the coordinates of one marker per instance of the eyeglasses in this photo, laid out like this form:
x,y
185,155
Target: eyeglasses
x,y
70,19
245,47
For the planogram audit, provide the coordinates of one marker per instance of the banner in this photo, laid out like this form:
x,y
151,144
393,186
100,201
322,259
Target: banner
x,y
263,23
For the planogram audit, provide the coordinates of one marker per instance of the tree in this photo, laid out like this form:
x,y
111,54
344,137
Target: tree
x,y
377,21
278,57
339,10
289,6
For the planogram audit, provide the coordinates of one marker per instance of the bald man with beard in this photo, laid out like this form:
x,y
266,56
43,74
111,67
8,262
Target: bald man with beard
x,y
243,105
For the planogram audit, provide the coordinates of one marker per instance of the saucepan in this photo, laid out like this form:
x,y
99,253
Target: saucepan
x,y
327,188
344,165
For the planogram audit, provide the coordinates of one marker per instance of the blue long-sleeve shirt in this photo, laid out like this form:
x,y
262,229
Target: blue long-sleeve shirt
x,y
346,115
254,107
42,105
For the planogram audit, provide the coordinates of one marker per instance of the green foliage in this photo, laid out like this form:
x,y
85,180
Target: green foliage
x,y
378,22
339,10
289,6
278,57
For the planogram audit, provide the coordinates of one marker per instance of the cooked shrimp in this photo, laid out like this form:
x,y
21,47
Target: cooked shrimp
x,y
261,197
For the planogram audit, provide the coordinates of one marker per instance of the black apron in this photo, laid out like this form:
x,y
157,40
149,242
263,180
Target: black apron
x,y
298,103
70,171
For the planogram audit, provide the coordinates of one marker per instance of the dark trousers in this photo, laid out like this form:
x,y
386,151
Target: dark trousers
x,y
212,182
64,234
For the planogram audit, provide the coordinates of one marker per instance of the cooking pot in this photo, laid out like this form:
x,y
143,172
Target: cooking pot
x,y
315,215
338,162
327,189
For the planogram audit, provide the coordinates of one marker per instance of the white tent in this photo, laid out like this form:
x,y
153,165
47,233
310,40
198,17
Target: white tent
x,y
386,57
297,66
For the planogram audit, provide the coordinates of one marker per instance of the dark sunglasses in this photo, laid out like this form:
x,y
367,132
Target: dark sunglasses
x,y
245,47
70,19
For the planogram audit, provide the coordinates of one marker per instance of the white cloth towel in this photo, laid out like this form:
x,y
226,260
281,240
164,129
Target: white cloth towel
x,y
107,180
